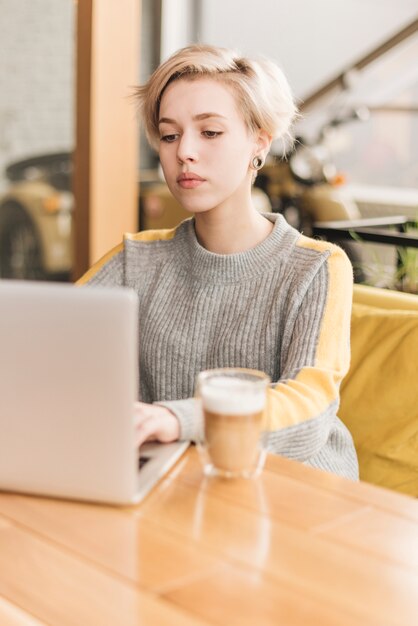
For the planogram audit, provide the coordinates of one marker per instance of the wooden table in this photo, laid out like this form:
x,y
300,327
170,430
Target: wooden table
x,y
295,547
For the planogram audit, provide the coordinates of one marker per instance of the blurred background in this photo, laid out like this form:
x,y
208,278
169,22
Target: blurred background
x,y
353,67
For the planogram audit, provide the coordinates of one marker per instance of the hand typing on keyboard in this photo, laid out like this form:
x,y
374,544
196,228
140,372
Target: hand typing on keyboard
x,y
154,423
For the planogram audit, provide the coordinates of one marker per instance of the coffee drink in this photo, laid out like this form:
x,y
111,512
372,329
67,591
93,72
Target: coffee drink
x,y
233,406
233,440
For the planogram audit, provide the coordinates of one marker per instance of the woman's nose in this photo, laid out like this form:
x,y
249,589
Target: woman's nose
x,y
187,150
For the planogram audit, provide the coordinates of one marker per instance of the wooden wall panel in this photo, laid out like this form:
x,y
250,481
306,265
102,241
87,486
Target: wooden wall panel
x,y
106,153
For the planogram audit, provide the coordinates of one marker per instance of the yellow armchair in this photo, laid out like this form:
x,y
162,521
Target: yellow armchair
x,y
379,396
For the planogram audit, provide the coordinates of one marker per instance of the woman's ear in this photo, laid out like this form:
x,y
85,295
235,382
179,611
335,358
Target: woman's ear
x,y
263,142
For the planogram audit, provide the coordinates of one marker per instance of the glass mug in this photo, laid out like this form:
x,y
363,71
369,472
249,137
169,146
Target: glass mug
x,y
233,401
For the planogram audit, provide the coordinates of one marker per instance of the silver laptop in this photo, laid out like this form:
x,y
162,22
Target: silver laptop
x,y
68,381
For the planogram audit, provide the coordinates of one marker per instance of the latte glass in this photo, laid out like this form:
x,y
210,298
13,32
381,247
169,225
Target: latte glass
x,y
233,401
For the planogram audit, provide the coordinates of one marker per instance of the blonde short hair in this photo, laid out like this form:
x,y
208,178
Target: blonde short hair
x,y
262,92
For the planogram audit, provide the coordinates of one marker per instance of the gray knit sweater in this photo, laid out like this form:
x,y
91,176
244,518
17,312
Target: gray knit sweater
x,y
282,307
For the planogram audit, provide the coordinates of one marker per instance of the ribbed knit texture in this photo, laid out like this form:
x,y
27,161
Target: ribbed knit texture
x,y
263,309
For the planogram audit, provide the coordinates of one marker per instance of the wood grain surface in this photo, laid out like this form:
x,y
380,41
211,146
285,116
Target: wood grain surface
x,y
296,546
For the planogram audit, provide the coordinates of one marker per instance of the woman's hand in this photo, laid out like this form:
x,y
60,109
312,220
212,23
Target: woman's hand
x,y
154,423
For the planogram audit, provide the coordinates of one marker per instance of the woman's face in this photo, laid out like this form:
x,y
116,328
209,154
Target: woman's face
x,y
205,146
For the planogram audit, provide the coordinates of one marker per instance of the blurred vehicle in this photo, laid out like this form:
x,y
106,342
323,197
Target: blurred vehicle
x,y
304,184
36,219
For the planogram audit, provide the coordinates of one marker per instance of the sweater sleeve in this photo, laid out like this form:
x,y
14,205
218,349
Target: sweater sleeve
x,y
302,405
189,415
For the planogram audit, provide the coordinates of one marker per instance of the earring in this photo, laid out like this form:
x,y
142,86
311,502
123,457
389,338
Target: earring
x,y
257,163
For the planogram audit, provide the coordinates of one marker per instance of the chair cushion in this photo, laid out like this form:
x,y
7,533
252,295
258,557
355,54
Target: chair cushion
x,y
379,396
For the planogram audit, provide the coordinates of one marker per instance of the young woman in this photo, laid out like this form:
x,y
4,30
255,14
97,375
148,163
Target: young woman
x,y
230,286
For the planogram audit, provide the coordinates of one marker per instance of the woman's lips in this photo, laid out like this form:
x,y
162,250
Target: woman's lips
x,y
190,183
190,180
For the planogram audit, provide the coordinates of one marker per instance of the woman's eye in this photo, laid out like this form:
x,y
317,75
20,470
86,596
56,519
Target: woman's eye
x,y
211,134
169,138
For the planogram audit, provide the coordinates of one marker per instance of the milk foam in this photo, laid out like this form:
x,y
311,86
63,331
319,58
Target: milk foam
x,y
229,396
